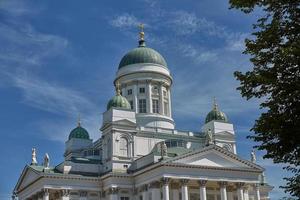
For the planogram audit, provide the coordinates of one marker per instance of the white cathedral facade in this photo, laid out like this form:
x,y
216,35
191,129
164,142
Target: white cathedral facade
x,y
141,155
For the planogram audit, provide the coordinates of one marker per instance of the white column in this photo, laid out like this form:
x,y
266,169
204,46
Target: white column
x,y
223,191
65,195
202,184
149,97
257,193
161,99
155,190
135,97
166,192
240,192
46,194
184,189
175,194
246,193
170,105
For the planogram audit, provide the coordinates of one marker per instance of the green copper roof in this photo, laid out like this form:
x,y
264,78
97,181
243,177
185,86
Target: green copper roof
x,y
118,101
216,114
142,54
79,133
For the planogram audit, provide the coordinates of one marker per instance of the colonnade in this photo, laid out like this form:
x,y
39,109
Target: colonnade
x,y
157,190
161,188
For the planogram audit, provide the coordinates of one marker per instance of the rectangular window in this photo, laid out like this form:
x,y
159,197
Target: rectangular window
x,y
142,105
166,108
142,90
124,198
129,92
131,104
155,106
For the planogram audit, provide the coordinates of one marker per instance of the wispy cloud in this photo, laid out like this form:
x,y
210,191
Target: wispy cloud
x,y
197,55
16,8
50,97
124,21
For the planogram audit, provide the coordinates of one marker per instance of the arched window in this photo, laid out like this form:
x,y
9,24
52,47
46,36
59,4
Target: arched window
x,y
123,147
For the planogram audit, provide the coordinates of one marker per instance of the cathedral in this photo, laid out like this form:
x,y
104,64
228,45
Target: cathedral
x,y
141,155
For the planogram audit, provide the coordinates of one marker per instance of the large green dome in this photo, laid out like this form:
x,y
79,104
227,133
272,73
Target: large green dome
x,y
79,133
118,101
216,115
142,54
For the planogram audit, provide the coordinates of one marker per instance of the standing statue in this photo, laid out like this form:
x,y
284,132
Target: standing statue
x,y
253,156
163,149
208,137
33,157
46,161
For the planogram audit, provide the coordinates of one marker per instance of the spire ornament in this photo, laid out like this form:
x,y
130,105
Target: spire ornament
x,y
215,105
142,35
118,90
79,121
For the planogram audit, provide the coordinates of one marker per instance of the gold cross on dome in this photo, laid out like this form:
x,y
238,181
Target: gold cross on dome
x,y
141,26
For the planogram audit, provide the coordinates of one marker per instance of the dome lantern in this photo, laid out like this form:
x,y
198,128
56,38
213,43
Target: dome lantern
x,y
216,114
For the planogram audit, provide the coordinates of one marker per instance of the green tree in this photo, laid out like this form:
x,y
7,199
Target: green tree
x,y
274,50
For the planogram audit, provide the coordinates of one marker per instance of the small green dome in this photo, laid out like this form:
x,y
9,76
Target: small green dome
x,y
216,114
142,54
79,133
118,101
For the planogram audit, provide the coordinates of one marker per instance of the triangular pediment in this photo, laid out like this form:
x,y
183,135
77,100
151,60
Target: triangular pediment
x,y
125,122
214,156
225,133
27,177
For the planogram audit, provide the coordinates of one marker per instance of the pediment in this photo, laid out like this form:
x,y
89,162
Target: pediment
x,y
214,156
125,122
27,177
225,133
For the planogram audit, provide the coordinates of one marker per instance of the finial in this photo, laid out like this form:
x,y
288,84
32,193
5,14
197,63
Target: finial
x,y
142,35
79,120
118,85
33,157
215,106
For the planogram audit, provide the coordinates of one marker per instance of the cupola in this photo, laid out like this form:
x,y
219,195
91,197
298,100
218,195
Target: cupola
x,y
79,132
216,114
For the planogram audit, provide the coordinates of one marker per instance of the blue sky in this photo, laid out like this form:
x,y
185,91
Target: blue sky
x,y
59,58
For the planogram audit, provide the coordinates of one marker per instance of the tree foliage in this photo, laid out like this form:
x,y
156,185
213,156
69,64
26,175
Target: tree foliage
x,y
274,50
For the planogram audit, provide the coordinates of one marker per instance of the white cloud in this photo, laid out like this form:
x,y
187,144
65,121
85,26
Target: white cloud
x,y
124,21
198,56
24,46
185,23
16,8
50,97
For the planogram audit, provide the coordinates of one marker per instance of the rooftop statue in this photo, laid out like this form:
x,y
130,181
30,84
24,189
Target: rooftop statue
x,y
33,157
253,156
46,161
